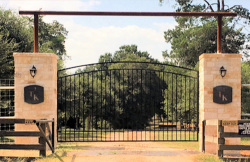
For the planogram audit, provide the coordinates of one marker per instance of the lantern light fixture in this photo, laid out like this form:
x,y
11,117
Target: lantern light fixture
x,y
223,71
33,71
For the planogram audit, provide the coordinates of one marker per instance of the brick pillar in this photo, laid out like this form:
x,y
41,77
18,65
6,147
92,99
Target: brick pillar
x,y
210,77
46,65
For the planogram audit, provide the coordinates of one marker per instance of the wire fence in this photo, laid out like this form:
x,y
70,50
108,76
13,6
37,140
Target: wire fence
x,y
7,107
245,102
7,95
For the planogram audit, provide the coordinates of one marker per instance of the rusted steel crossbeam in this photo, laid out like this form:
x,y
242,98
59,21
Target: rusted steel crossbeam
x,y
88,13
219,16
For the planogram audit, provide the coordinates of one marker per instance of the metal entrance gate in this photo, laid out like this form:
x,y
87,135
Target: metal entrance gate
x,y
128,101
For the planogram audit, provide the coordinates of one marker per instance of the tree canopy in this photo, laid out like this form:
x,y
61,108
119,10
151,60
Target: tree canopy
x,y
194,36
16,35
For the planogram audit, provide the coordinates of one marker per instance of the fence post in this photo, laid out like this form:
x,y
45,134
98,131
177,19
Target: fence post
x,y
203,135
42,140
221,139
53,134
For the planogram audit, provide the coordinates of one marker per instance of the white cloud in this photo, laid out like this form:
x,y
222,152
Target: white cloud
x,y
55,5
51,5
165,26
86,44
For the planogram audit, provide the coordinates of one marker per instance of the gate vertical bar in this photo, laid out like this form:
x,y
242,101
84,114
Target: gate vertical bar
x,y
172,105
159,105
79,104
185,108
141,103
74,108
149,92
123,102
105,106
193,125
164,104
88,111
189,100
65,128
110,101
101,105
167,102
198,106
70,90
176,100
114,102
92,108
119,101
180,118
83,103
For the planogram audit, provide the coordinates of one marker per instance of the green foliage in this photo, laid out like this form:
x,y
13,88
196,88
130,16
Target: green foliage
x,y
52,37
245,91
126,95
194,36
16,35
190,43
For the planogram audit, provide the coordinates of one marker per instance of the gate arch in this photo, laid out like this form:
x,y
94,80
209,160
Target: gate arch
x,y
128,101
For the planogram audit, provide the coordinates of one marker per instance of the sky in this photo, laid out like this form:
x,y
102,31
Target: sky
x,y
92,36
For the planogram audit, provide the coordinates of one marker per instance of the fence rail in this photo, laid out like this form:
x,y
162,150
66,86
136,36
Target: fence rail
x,y
42,125
222,135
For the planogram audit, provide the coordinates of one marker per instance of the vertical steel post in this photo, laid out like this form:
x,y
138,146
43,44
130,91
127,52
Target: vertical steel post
x,y
219,34
36,49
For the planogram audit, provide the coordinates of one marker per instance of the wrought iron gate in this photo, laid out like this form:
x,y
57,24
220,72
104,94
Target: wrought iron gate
x,y
128,101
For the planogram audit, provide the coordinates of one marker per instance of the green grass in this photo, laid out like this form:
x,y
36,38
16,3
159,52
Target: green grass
x,y
7,139
64,147
194,146
207,158
245,141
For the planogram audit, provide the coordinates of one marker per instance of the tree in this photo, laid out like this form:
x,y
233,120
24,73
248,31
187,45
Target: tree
x,y
116,97
194,36
245,91
138,104
16,35
52,37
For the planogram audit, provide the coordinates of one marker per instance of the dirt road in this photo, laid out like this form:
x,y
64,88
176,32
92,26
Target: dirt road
x,y
129,152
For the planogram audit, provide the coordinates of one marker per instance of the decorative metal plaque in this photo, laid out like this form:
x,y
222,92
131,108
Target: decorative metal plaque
x,y
222,94
244,128
33,94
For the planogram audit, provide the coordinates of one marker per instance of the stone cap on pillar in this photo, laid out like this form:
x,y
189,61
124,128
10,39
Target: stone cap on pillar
x,y
216,55
35,55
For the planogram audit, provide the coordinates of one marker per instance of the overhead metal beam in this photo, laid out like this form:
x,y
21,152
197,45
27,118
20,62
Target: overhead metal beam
x,y
87,13
219,16
219,34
